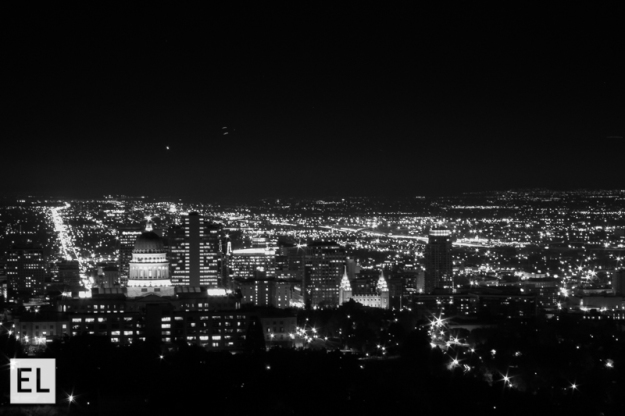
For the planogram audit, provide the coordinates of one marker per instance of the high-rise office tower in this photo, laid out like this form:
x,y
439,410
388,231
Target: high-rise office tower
x,y
438,265
25,269
126,237
217,243
324,264
194,252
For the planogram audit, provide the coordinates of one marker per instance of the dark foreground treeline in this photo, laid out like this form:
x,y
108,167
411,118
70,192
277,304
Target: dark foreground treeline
x,y
107,379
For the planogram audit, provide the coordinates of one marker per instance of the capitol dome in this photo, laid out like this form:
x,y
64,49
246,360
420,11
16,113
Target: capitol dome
x,y
149,242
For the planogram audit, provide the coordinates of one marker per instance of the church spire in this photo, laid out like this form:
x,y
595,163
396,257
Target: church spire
x,y
382,286
148,225
345,285
345,289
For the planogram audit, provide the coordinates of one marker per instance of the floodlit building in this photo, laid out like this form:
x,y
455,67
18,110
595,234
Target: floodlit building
x,y
375,298
149,267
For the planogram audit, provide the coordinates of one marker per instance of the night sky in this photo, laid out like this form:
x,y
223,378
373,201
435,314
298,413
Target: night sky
x,y
315,100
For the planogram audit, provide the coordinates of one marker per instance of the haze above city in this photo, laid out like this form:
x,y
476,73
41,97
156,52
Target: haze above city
x,y
308,101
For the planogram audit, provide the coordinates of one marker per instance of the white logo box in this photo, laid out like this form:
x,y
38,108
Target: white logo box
x,y
33,381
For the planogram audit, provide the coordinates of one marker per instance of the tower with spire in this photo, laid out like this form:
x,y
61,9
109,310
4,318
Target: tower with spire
x,y
383,291
345,288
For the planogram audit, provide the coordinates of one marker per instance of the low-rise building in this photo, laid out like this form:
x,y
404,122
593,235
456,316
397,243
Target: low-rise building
x,y
279,330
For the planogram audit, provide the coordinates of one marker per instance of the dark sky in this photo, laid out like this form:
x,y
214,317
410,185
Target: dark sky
x,y
358,100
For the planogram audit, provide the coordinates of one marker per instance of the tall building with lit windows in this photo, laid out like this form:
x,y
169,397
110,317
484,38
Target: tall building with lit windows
x,y
438,264
324,263
194,252
280,293
25,269
250,263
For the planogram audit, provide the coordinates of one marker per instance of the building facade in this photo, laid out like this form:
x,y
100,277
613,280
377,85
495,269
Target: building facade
x,y
194,253
438,264
279,330
26,272
375,298
191,315
252,263
486,303
149,267
324,263
69,274
279,293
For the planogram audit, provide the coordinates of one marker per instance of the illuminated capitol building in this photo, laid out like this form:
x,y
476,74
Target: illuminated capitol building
x,y
149,267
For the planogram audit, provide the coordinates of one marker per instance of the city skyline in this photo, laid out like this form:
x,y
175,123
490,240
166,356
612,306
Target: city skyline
x,y
201,102
305,208
516,291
